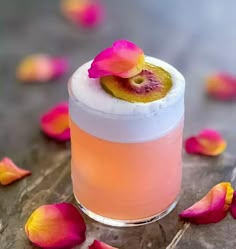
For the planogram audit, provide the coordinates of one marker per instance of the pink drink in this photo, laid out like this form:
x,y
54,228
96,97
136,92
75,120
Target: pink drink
x,y
126,163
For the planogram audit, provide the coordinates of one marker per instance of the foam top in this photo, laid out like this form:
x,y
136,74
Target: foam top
x,y
107,117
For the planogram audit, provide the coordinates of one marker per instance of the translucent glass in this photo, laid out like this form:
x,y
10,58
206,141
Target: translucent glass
x,y
126,184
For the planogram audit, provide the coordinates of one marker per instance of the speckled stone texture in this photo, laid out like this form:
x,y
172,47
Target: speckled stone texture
x,y
197,37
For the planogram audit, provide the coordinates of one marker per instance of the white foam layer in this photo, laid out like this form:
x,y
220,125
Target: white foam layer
x,y
109,118
89,92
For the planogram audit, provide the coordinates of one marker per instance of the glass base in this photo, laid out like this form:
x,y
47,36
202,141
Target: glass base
x,y
126,223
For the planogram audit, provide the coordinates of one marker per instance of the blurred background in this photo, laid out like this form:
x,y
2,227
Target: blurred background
x,y
197,37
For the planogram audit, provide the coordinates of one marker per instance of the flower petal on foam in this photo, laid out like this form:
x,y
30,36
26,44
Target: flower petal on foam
x,y
56,226
9,172
41,68
233,206
55,122
213,207
86,13
123,59
221,86
100,245
208,142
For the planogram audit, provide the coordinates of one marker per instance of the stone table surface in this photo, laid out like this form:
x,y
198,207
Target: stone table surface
x,y
197,37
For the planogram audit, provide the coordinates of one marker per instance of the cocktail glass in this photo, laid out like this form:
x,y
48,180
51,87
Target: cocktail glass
x,y
127,169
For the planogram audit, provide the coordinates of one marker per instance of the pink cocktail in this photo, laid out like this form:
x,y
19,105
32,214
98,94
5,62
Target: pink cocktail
x,y
126,157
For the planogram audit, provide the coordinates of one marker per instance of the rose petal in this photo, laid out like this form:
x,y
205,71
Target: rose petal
x,y
41,68
86,13
207,142
233,206
123,59
9,172
56,226
213,207
221,86
60,66
92,15
55,122
100,245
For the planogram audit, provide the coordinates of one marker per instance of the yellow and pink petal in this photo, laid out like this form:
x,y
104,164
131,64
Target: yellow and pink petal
x,y
221,86
233,206
56,226
123,59
208,142
85,13
100,245
10,173
41,68
55,122
213,207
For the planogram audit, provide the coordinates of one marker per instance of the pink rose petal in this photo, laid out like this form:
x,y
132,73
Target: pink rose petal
x,y
100,245
123,59
233,206
56,226
221,86
55,122
213,207
85,13
41,68
9,172
59,67
208,142
92,15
